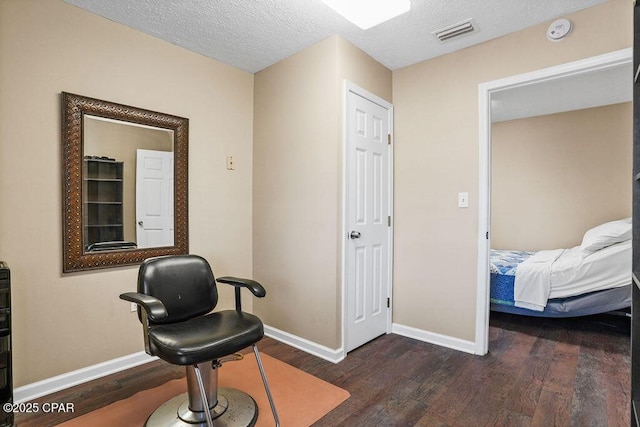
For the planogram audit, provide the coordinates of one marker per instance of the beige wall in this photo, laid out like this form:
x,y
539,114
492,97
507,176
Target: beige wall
x,y
298,184
556,176
64,322
436,156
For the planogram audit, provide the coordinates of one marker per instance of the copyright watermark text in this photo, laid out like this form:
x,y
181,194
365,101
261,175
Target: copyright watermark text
x,y
34,407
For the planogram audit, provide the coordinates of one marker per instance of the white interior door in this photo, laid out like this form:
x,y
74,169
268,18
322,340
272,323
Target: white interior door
x,y
154,198
368,221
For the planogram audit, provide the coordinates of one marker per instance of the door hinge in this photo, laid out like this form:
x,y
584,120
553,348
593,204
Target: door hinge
x,y
487,236
388,302
389,221
388,139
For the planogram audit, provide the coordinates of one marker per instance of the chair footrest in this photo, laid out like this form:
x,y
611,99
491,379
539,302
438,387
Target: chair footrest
x,y
235,357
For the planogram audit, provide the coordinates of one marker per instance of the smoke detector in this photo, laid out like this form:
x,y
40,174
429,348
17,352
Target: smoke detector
x,y
559,29
456,30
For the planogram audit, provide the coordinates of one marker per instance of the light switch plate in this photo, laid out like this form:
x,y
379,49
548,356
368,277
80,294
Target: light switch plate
x,y
463,200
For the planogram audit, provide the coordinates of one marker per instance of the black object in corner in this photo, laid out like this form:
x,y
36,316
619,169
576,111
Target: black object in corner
x,y
6,375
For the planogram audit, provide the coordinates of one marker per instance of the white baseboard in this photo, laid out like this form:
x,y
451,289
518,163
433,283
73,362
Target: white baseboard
x,y
433,338
326,353
51,385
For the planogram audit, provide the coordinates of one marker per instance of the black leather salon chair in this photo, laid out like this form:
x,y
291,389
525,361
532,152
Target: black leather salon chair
x,y
176,296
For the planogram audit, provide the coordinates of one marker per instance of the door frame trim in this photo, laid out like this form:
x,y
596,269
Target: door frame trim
x,y
485,90
347,88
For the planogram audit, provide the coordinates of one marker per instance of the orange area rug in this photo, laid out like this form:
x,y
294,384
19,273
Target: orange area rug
x,y
300,398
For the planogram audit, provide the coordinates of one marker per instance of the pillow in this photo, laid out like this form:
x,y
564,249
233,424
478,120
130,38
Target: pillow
x,y
606,234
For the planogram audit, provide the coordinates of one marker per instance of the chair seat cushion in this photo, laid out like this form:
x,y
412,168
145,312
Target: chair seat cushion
x,y
205,338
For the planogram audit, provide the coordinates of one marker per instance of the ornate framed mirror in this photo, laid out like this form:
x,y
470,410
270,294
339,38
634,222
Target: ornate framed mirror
x,y
124,184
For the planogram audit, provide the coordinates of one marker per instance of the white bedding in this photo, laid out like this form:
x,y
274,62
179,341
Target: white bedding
x,y
562,273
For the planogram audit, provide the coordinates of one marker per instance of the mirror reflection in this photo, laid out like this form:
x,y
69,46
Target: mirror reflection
x,y
128,185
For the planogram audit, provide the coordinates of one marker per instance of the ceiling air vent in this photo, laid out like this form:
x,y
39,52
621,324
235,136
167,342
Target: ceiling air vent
x,y
456,30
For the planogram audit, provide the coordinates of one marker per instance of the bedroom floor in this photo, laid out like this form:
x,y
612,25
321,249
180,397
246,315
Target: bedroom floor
x,y
538,372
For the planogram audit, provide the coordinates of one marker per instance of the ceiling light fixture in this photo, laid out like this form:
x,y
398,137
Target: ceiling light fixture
x,y
369,13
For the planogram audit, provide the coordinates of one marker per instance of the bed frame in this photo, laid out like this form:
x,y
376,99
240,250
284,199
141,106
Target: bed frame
x,y
617,300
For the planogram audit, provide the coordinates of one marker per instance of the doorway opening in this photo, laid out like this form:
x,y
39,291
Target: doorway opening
x,y
549,81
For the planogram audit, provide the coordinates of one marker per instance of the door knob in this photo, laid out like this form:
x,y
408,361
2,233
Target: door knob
x,y
140,223
354,235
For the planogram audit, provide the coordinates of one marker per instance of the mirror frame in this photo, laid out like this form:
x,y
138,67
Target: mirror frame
x,y
74,107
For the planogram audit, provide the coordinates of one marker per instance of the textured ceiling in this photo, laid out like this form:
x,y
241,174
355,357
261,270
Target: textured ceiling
x,y
254,34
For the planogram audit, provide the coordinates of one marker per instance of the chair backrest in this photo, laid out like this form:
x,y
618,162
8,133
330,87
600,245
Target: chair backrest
x,y
184,283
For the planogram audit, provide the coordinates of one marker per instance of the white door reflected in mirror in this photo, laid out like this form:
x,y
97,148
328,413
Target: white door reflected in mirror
x,y
154,198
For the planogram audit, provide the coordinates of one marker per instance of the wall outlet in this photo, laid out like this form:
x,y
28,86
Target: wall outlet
x,y
230,165
134,307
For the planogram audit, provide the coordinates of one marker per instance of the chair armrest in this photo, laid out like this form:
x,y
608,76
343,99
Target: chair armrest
x,y
153,306
256,288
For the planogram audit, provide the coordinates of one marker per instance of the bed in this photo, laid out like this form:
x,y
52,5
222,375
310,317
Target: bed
x,y
592,278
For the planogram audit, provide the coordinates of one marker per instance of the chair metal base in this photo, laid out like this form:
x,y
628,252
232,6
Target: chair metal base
x,y
235,408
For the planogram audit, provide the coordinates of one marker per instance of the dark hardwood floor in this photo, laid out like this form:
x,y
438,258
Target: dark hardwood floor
x,y
539,372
